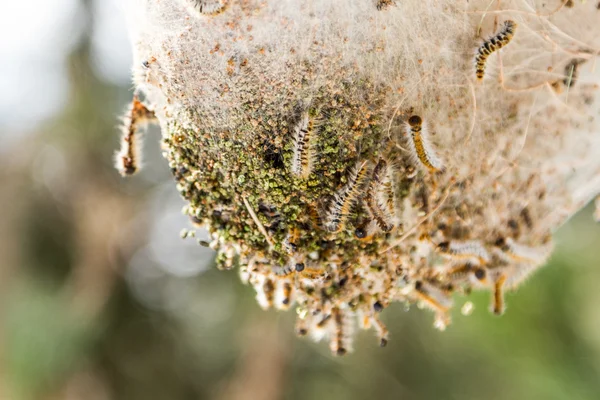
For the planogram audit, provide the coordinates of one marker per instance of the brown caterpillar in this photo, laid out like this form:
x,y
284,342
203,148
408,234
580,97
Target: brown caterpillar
x,y
284,295
291,240
128,159
498,295
265,293
496,42
383,4
382,331
420,147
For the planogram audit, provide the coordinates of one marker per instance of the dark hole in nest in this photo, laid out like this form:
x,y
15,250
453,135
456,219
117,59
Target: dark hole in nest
x,y
273,156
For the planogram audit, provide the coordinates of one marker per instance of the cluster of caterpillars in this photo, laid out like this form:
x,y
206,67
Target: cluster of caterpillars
x,y
502,265
329,300
326,292
331,295
332,300
377,178
496,266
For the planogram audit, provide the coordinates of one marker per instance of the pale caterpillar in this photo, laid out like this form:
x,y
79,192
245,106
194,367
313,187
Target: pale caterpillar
x,y
465,250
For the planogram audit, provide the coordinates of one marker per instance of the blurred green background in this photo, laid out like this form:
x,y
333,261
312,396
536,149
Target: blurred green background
x,y
101,299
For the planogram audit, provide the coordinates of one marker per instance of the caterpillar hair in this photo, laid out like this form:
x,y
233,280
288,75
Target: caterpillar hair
x,y
128,159
311,272
301,327
302,161
315,217
524,254
378,212
341,336
466,250
265,293
383,4
517,274
496,42
460,273
421,150
206,7
498,295
284,270
433,297
324,321
290,242
366,230
344,199
389,192
284,295
381,329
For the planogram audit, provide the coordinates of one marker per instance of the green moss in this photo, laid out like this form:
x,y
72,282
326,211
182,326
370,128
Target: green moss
x,y
217,169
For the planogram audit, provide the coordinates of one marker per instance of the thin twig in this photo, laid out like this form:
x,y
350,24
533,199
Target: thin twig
x,y
260,226
534,14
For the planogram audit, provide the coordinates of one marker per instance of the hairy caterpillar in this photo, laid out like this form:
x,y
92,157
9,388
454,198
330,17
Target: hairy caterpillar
x,y
378,212
265,293
344,198
389,192
496,42
382,331
206,7
498,295
420,147
283,270
291,240
433,297
523,254
284,295
341,336
464,273
128,159
470,249
302,161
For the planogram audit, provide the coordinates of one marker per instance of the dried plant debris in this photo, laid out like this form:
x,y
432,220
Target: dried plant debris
x,y
345,158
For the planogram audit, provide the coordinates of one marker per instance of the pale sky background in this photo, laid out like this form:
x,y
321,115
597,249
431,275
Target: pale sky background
x,y
35,38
